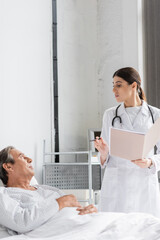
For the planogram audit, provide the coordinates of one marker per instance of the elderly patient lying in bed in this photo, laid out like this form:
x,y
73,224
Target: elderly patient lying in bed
x,y
24,207
44,212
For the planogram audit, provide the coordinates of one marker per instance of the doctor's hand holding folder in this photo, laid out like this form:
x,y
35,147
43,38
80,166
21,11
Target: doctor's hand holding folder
x,y
134,146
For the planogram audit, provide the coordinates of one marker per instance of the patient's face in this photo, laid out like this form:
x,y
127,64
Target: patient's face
x,y
22,165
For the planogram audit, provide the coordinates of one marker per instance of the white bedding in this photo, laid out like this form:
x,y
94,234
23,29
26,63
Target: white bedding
x,y
67,225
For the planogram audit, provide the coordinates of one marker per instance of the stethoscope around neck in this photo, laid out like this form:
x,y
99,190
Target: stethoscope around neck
x,y
120,119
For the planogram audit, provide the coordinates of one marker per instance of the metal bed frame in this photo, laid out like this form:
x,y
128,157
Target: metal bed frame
x,y
77,175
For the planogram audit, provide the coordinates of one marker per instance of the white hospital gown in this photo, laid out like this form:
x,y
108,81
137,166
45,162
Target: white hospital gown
x,y
23,210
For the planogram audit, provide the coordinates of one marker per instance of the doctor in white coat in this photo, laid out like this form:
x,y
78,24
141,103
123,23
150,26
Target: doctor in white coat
x,y
129,186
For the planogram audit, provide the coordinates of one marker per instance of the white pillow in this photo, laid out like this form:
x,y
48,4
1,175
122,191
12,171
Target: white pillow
x,y
3,232
33,181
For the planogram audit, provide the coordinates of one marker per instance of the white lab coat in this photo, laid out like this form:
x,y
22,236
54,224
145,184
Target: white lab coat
x,y
127,187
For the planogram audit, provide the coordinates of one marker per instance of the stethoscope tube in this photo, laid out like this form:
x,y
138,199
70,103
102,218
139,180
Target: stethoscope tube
x,y
120,119
116,116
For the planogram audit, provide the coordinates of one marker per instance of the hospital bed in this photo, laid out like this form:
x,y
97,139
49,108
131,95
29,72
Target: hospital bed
x,y
67,225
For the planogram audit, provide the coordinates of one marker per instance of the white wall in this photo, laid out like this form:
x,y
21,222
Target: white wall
x,y
25,76
95,38
77,72
117,43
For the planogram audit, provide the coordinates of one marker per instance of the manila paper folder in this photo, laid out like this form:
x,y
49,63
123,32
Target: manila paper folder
x,y
133,145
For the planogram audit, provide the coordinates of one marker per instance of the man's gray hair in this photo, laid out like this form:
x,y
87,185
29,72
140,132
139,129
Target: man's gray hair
x,y
5,157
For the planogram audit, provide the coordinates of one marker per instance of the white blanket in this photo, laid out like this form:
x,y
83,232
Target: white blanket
x,y
68,225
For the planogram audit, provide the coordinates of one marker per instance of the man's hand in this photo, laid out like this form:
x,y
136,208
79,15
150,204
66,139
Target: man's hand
x,y
68,201
143,163
86,210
